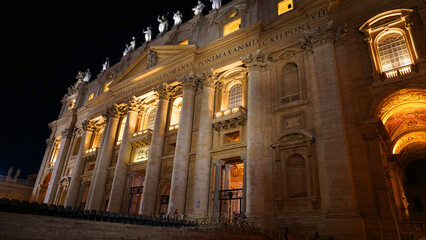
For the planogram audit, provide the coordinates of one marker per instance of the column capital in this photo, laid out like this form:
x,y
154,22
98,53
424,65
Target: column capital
x,y
88,125
134,104
189,81
113,112
218,162
257,60
322,33
228,167
244,158
208,78
163,91
67,132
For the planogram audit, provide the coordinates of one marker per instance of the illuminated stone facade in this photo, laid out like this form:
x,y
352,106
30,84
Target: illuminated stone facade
x,y
312,119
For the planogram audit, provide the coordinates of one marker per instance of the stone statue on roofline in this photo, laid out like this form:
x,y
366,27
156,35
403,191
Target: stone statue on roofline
x,y
17,174
148,34
177,17
132,44
199,8
105,66
87,75
164,24
216,4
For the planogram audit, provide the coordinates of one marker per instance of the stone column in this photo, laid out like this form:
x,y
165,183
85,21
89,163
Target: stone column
x,y
36,189
227,182
183,146
218,175
201,187
244,200
120,174
59,165
97,186
71,198
256,63
153,169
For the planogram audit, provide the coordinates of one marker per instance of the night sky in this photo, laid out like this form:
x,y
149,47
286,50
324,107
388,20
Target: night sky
x,y
44,45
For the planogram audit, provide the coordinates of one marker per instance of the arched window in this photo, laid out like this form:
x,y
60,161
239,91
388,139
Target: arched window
x,y
121,133
55,152
290,75
177,107
296,176
151,119
393,52
235,98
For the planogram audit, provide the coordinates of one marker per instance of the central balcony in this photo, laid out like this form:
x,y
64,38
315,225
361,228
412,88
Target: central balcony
x,y
141,138
90,154
230,118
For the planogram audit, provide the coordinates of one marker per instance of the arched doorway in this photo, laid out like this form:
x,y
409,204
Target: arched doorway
x,y
403,114
43,188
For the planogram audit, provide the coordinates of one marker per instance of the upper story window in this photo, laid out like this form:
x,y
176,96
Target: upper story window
x,y
235,97
106,86
55,152
151,119
91,96
177,106
185,42
393,52
231,27
389,38
285,6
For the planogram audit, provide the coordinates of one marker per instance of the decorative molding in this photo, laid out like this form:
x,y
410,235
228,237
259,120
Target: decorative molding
x,y
163,91
218,162
208,78
152,59
88,125
189,81
113,112
67,132
134,104
320,34
257,60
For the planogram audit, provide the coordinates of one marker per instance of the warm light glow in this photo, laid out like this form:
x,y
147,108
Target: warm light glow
x,y
174,127
393,52
71,104
91,150
184,42
405,70
231,27
106,86
232,14
91,96
391,74
218,114
413,137
285,6
227,112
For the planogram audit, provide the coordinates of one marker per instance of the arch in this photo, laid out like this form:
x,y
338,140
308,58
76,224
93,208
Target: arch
x,y
303,135
177,107
403,113
392,14
46,179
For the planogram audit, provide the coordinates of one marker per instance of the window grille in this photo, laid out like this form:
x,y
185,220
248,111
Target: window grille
x,y
393,51
235,96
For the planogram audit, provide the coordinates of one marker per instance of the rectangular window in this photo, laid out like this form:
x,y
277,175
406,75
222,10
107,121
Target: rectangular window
x,y
106,87
231,137
231,27
285,6
184,42
90,96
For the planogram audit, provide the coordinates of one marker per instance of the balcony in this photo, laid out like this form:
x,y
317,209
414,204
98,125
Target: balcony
x,y
90,154
174,127
398,72
230,118
141,138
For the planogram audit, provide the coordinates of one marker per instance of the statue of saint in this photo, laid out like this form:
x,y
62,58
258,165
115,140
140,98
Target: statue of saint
x,y
132,44
9,172
148,34
105,66
87,75
18,172
216,3
164,24
199,8
177,17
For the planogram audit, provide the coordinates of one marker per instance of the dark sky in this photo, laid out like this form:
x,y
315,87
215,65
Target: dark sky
x,y
44,44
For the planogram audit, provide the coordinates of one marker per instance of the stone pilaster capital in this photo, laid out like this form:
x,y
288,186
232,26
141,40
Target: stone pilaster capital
x,y
229,167
163,91
322,33
189,81
257,60
67,132
113,112
218,162
49,142
244,158
208,78
134,104
88,125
